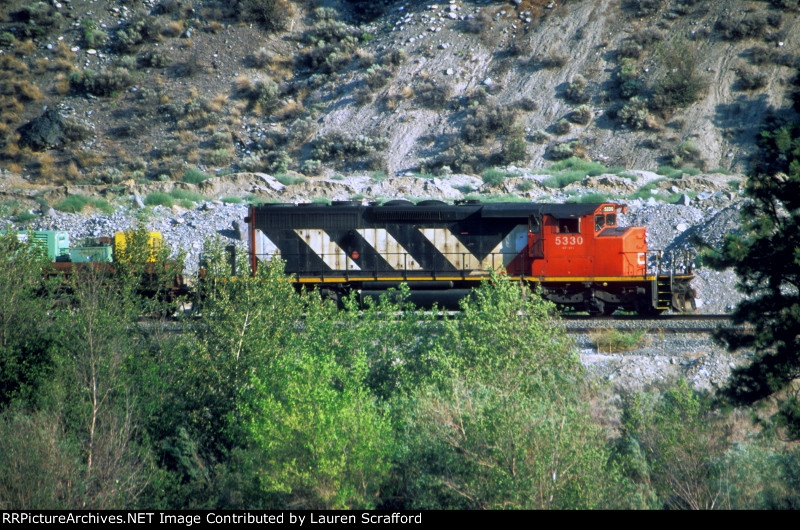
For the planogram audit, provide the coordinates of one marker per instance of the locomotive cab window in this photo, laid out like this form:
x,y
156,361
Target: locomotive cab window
x,y
535,224
599,222
611,219
569,226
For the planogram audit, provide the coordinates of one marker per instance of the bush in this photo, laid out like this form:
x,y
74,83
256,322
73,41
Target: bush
x,y
154,59
494,176
289,180
643,8
186,196
628,79
629,50
195,176
561,127
582,115
159,199
554,60
634,114
751,78
219,157
339,146
106,82
686,152
136,32
433,95
526,104
311,167
92,36
565,150
576,91
476,24
77,203
271,14
232,200
753,25
487,121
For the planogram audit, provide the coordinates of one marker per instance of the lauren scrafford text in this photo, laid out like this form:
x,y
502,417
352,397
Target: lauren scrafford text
x,y
298,519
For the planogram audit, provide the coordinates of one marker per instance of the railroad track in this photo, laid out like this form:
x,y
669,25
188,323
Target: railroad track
x,y
671,323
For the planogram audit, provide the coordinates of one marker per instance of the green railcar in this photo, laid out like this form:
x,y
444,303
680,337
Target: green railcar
x,y
54,242
92,250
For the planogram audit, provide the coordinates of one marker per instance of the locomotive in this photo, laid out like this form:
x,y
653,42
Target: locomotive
x,y
576,254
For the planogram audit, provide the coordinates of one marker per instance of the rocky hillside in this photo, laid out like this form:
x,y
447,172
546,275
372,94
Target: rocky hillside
x,y
151,90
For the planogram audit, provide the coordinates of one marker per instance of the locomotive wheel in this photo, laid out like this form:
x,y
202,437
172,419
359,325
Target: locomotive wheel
x,y
609,309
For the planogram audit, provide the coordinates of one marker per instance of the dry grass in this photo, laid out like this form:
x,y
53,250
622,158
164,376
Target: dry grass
x,y
172,29
86,158
61,85
24,48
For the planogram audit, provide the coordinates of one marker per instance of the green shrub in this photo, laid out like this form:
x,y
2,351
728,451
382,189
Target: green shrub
x,y
561,127
136,32
311,167
24,217
614,340
159,199
195,176
682,84
646,191
92,36
576,91
105,82
78,203
634,114
566,150
271,14
582,115
628,79
289,180
232,200
487,121
186,195
219,157
494,176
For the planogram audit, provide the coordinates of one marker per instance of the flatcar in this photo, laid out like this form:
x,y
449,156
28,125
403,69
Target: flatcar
x,y
576,253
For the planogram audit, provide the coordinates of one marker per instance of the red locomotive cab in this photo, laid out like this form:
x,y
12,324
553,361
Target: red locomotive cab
x,y
585,243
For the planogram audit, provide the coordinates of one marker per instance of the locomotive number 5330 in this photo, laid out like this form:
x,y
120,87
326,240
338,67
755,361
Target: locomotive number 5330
x,y
569,240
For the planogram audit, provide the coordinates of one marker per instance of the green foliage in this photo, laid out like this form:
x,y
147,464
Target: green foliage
x,y
682,84
78,203
289,180
195,176
25,329
634,113
158,198
672,449
494,176
613,340
92,36
486,121
105,82
507,428
765,258
232,200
